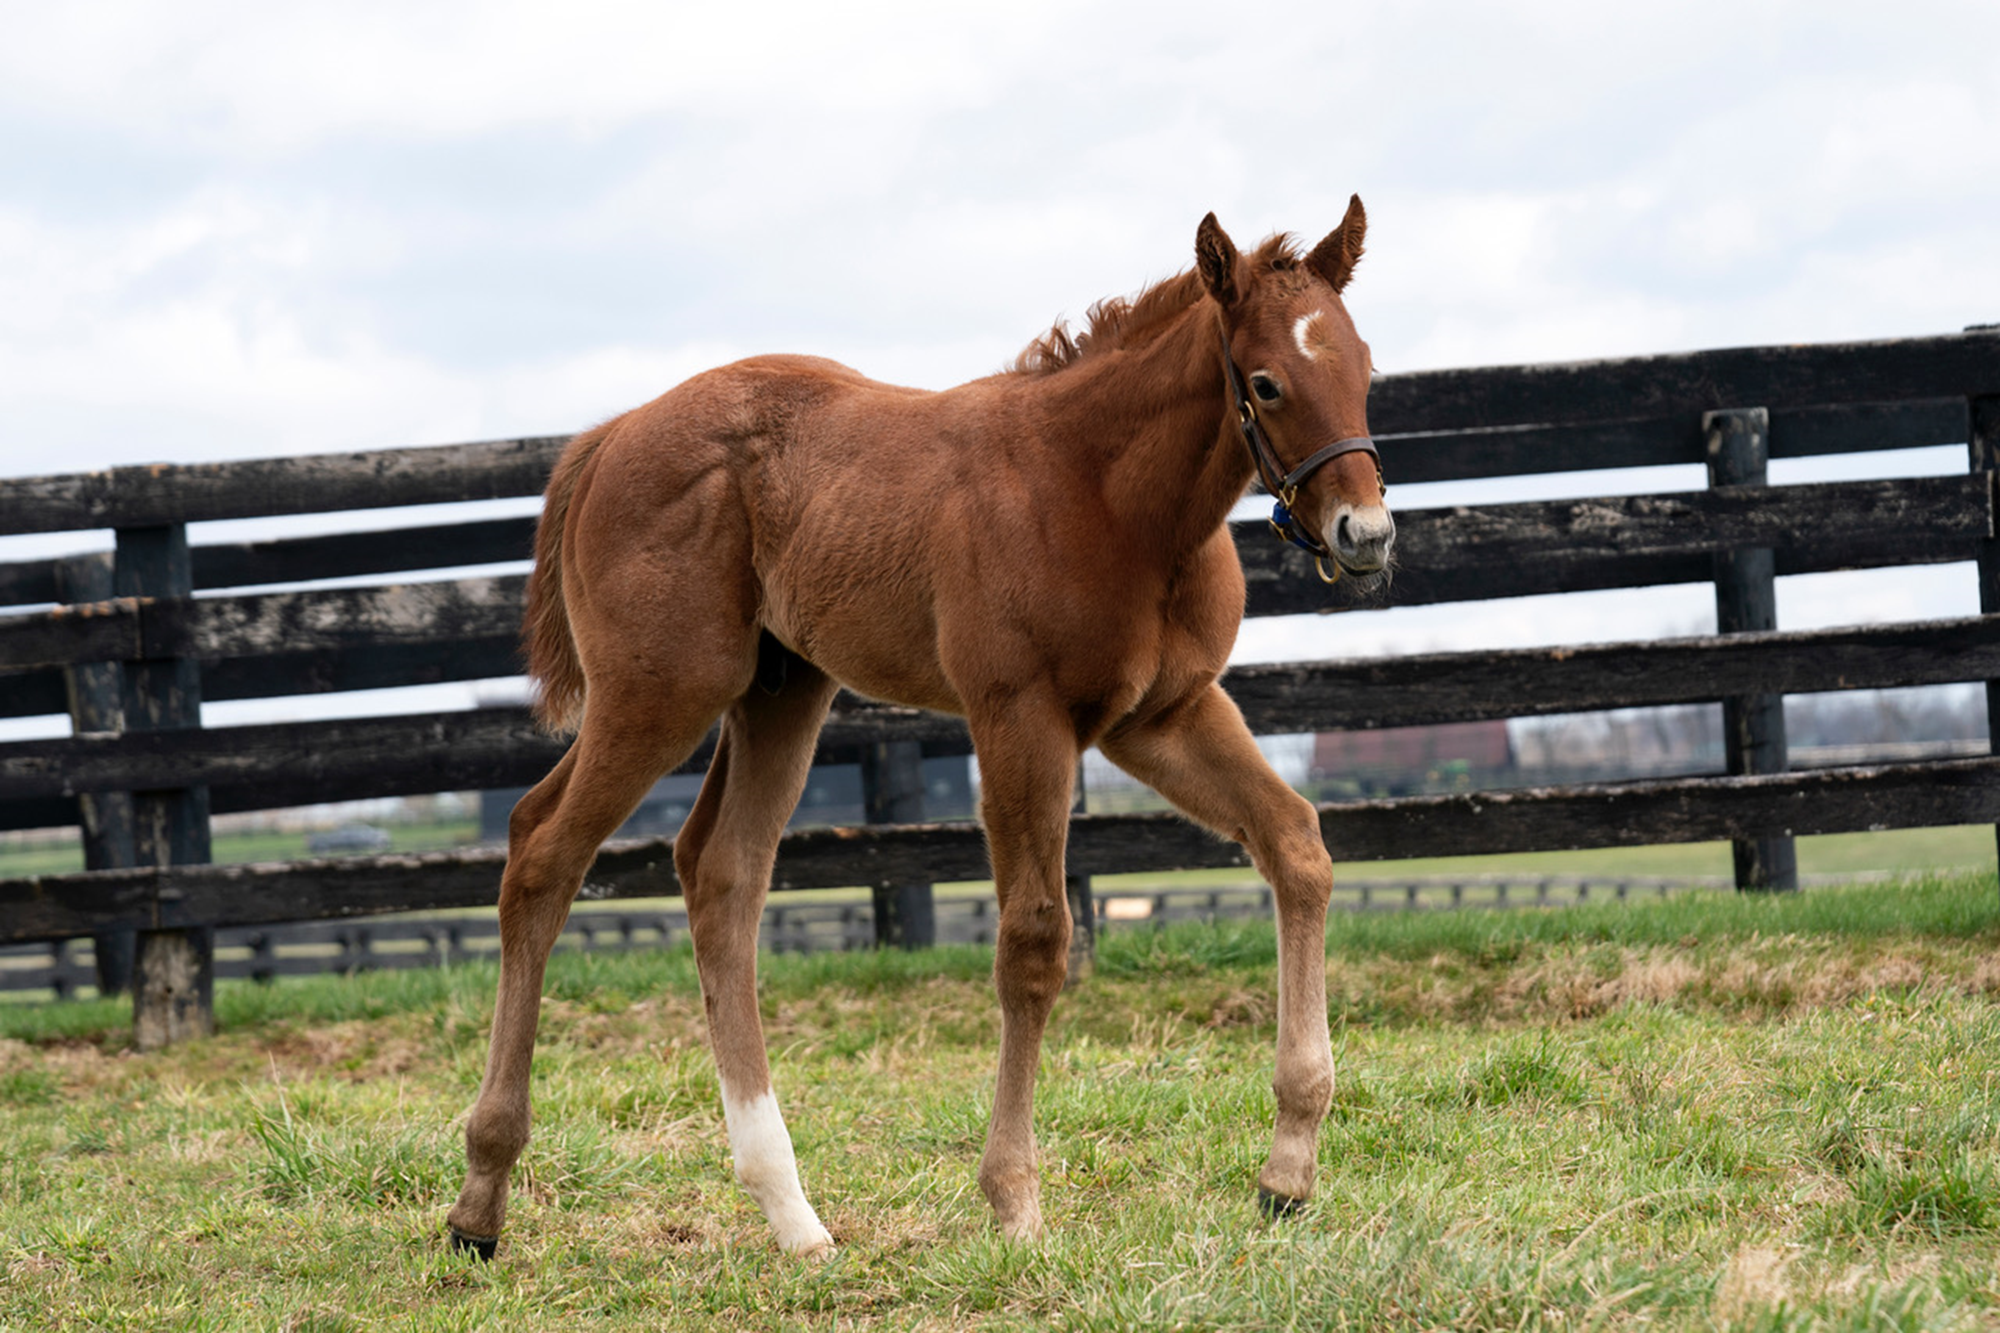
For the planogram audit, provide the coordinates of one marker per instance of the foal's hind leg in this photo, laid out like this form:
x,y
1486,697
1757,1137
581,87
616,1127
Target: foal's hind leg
x,y
1202,758
724,856
552,838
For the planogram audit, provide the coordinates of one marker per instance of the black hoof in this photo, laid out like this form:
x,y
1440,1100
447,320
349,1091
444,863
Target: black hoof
x,y
481,1247
1275,1205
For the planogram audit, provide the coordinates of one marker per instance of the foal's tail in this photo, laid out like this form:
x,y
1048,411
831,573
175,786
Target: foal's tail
x,y
545,631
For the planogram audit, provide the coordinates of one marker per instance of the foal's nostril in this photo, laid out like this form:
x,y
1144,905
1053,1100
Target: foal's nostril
x,y
1361,537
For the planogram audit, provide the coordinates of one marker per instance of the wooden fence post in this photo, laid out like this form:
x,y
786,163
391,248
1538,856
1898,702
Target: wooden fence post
x,y
1983,443
892,792
96,704
173,980
1753,726
1082,909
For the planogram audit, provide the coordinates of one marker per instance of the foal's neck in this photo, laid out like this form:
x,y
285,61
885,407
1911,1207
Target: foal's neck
x,y
1156,421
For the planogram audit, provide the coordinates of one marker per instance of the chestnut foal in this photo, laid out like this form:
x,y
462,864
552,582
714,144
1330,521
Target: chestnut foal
x,y
1043,552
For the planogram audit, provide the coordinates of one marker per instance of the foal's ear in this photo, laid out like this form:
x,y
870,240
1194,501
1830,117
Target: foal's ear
x,y
1335,257
1215,255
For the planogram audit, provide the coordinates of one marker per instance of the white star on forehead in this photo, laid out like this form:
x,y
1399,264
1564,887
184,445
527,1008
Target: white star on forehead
x,y
1303,327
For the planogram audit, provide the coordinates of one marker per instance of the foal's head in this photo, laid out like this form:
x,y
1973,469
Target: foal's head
x,y
1306,379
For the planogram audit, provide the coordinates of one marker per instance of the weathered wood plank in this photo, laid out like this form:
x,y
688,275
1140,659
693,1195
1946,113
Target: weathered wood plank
x,y
1602,815
1276,590
36,692
1801,432
109,631
1534,547
29,583
1724,518
350,554
456,751
257,625
1520,550
1278,586
306,559
317,483
273,765
1430,688
1428,456
333,670
345,618
1610,815
267,766
1834,800
1851,428
1687,384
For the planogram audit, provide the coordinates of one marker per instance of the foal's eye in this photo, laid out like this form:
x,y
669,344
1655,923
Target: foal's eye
x,y
1265,387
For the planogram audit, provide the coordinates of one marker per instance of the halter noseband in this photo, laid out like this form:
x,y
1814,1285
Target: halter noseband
x,y
1283,485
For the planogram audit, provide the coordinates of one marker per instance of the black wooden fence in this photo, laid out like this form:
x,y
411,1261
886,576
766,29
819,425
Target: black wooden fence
x,y
137,638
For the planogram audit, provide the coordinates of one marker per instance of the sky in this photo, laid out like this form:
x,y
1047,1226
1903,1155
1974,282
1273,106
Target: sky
x,y
233,230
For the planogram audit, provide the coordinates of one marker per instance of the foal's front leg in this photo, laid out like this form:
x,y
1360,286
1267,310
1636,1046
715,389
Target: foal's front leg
x,y
1026,775
1202,758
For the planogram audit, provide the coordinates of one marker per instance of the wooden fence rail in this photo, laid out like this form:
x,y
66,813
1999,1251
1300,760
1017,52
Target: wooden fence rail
x,y
174,626
274,766
1554,546
1840,800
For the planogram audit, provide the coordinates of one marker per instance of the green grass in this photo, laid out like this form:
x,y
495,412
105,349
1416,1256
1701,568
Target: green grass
x,y
1702,1112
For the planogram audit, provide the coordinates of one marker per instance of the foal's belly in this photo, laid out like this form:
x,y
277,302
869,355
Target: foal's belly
x,y
890,677
879,646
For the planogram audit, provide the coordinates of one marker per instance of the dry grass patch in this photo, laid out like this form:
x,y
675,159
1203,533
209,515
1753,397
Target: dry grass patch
x,y
1755,1281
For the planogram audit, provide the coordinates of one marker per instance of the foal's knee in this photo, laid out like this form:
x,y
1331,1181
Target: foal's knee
x,y
535,891
1293,855
1031,960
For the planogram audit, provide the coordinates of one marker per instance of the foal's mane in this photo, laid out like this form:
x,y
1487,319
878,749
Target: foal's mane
x,y
1121,321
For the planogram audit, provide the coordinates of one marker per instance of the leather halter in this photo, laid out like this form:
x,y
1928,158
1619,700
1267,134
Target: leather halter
x,y
1283,485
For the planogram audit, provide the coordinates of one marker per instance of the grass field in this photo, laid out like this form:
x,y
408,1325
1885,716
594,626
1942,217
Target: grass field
x,y
1702,1112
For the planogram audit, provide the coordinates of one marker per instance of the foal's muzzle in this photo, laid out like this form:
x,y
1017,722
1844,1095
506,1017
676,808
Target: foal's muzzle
x,y
1361,537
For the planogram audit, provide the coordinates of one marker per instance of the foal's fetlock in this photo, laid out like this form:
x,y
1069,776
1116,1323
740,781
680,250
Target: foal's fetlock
x,y
1016,1199
476,1218
1022,1223
1286,1182
474,1221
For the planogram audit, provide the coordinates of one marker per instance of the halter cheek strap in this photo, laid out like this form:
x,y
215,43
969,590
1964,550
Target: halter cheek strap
x,y
1283,485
